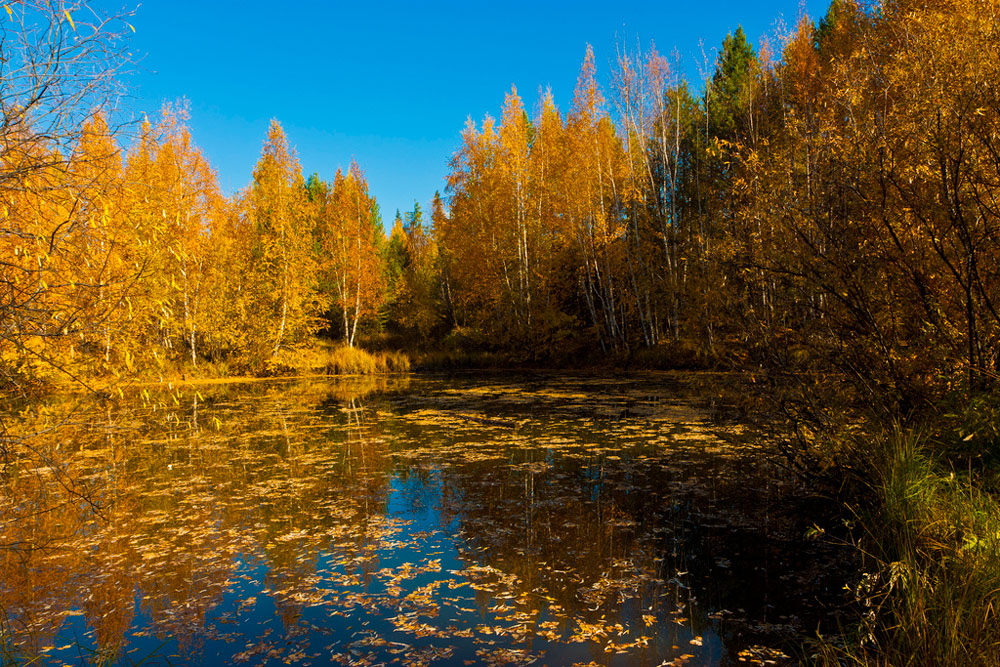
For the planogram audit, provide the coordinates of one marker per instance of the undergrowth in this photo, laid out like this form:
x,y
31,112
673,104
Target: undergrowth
x,y
930,535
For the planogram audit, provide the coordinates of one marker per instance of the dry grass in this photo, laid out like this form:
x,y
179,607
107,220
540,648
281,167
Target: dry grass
x,y
337,359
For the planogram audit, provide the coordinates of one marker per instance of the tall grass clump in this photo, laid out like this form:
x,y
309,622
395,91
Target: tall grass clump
x,y
326,358
931,538
343,360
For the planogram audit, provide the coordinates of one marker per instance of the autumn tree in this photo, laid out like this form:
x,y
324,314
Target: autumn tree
x,y
597,211
228,285
349,232
174,197
282,282
61,63
874,178
468,238
112,263
418,296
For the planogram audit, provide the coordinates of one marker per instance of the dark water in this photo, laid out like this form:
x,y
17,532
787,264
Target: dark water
x,y
487,520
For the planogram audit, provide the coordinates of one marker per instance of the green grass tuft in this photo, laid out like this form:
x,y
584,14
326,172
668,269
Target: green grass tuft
x,y
931,593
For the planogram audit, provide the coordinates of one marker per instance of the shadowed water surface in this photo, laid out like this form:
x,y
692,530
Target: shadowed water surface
x,y
550,520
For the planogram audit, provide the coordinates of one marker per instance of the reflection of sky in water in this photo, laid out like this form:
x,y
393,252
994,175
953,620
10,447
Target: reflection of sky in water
x,y
555,521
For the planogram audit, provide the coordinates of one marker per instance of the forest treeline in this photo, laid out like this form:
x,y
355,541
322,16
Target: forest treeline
x,y
833,199
829,200
126,260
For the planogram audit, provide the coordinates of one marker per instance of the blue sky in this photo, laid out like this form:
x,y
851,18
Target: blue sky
x,y
390,84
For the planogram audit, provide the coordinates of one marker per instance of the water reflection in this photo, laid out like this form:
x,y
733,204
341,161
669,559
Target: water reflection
x,y
556,520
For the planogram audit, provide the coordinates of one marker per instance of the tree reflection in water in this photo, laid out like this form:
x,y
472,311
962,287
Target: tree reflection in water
x,y
557,520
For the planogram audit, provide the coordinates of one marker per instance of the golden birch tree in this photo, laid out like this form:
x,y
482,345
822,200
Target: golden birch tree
x,y
283,270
